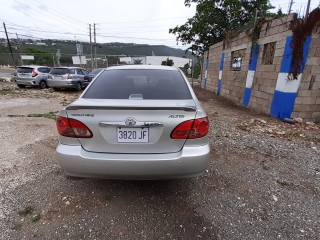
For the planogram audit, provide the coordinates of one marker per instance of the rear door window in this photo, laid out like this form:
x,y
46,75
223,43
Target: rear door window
x,y
79,72
44,70
85,72
59,71
144,83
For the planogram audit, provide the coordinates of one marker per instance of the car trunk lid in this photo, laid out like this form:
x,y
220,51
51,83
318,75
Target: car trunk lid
x,y
130,125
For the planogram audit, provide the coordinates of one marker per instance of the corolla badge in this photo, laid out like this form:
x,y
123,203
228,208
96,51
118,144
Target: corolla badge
x,y
130,122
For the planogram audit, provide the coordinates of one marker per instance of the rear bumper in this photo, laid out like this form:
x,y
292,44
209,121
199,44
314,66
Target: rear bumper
x,y
63,84
189,162
26,81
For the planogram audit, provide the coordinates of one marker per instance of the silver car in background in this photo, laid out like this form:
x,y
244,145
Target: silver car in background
x,y
31,75
134,122
68,77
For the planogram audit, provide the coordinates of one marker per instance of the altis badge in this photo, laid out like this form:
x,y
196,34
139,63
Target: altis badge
x,y
176,116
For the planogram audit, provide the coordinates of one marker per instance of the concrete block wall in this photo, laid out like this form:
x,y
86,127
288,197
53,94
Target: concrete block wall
x,y
269,86
213,71
307,104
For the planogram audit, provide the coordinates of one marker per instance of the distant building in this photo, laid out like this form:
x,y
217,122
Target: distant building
x,y
41,44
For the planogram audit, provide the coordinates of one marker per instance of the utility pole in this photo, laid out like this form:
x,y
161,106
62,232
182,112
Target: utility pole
x,y
95,45
91,47
290,6
9,45
308,8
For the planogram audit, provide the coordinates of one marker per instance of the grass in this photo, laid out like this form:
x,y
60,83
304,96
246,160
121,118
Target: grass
x,y
26,211
283,182
15,115
50,115
64,103
5,91
36,217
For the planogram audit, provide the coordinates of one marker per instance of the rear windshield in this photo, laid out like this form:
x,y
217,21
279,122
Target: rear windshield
x,y
24,70
61,71
139,83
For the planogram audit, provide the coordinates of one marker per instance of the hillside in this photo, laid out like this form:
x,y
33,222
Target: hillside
x,y
68,48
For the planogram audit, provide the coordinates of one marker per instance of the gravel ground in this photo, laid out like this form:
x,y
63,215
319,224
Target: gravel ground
x,y
262,181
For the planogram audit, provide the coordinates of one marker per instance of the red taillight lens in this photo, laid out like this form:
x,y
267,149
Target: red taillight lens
x,y
72,128
191,129
86,78
34,73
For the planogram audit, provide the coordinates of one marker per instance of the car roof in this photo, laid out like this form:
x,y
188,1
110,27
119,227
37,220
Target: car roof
x,y
70,67
149,67
31,66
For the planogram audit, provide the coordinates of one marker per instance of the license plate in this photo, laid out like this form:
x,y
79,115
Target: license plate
x,y
133,135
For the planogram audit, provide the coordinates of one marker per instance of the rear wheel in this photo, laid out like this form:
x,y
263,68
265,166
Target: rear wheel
x,y
43,84
21,86
56,89
78,86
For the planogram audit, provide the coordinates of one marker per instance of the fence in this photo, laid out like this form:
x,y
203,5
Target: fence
x,y
259,76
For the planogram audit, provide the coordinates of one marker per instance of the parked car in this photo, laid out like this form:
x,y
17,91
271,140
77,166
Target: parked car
x,y
68,77
87,79
95,72
134,122
31,76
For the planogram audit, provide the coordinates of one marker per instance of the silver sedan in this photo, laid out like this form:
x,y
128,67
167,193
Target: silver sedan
x,y
134,122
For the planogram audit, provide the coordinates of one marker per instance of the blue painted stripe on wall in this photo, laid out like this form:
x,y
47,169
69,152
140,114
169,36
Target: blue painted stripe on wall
x,y
219,87
246,97
282,104
222,61
254,57
205,79
287,57
306,48
286,64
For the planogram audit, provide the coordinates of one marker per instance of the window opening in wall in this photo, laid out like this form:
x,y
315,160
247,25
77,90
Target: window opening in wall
x,y
268,53
236,59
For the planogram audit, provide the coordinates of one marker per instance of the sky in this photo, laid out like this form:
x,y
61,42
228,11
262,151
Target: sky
x,y
129,21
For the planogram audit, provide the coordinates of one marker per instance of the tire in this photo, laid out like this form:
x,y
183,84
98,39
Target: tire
x,y
56,89
21,86
78,86
42,84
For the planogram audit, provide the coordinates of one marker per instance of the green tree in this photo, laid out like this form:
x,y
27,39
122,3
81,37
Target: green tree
x,y
41,57
215,18
137,61
168,62
66,61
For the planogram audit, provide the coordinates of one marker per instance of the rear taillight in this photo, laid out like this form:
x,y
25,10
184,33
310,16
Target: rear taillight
x,y
191,129
50,76
86,78
72,128
34,73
